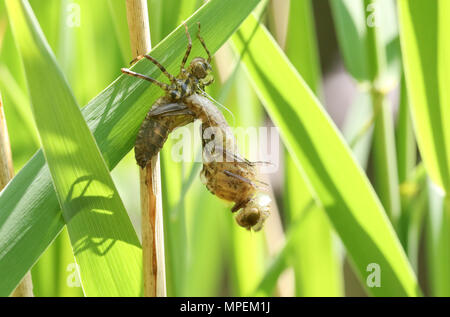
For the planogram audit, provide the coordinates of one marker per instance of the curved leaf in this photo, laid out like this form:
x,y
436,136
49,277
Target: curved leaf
x,y
323,157
103,239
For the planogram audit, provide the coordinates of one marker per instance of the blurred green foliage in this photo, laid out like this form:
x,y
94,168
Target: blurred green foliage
x,y
207,254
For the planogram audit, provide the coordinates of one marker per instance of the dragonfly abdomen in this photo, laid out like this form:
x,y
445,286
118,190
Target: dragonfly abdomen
x,y
162,119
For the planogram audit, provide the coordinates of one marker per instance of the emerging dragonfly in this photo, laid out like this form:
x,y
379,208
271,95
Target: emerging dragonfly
x,y
225,173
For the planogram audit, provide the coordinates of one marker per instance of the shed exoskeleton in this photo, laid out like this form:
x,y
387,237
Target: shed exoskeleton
x,y
225,173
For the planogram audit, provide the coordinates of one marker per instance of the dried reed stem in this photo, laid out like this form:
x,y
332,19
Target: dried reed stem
x,y
150,180
6,166
25,288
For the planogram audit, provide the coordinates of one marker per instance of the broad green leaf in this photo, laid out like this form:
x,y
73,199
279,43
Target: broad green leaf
x,y
102,237
426,47
322,156
56,274
315,261
114,117
358,133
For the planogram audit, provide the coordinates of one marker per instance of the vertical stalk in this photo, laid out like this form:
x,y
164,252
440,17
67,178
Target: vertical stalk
x,y
25,288
384,154
385,161
150,178
6,166
406,143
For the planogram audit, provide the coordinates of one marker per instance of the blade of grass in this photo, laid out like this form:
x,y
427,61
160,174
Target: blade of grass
x,y
356,132
56,273
114,117
316,263
321,154
104,242
426,47
425,55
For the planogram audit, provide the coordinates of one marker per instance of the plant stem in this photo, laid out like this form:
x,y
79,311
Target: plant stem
x,y
405,142
150,178
6,166
384,154
25,287
385,160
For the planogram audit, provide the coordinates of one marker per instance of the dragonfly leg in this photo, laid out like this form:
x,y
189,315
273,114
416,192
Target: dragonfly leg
x,y
188,49
154,61
154,81
202,41
161,67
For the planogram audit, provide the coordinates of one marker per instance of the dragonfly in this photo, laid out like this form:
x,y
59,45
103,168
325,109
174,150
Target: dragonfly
x,y
225,173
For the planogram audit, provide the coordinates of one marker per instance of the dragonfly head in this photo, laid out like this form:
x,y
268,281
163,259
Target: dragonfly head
x,y
201,70
254,213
